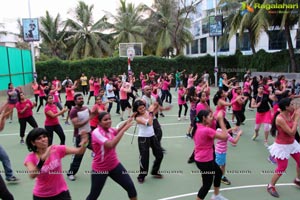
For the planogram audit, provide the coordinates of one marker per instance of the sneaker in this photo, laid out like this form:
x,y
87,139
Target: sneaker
x,y
141,180
157,175
266,144
10,121
272,160
179,118
191,160
12,179
162,114
185,117
218,197
121,118
71,177
22,141
255,135
118,113
297,183
250,109
272,191
188,135
225,180
67,123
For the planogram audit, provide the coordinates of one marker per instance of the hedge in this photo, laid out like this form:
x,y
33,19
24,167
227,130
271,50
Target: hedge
x,y
234,65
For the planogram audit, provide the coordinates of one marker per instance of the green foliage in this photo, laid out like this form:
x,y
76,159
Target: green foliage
x,y
234,65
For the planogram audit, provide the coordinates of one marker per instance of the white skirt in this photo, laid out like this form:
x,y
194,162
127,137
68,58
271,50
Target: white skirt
x,y
284,151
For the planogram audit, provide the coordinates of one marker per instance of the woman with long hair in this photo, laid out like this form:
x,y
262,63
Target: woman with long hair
x,y
284,127
51,122
105,162
147,140
204,154
25,115
44,164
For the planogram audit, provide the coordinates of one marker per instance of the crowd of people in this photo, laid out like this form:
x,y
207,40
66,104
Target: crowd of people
x,y
211,130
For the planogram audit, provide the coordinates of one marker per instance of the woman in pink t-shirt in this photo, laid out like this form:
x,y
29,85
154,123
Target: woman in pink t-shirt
x,y
284,127
204,154
91,89
36,92
24,108
70,98
52,122
105,162
97,108
182,102
44,164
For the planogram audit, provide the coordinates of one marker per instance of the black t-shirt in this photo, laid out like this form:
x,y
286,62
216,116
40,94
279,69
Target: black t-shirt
x,y
264,106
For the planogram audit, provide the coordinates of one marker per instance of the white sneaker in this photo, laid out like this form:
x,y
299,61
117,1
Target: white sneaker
x,y
179,118
185,117
218,197
71,178
266,144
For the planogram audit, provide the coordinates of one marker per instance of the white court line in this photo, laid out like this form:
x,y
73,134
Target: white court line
x,y
225,189
13,134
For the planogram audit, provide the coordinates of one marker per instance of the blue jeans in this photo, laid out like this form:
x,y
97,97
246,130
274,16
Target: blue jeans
x,y
6,163
178,83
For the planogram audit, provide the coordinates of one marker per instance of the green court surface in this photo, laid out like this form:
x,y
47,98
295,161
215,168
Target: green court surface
x,y
247,166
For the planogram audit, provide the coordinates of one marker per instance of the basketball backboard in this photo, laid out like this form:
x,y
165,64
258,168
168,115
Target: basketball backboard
x,y
130,48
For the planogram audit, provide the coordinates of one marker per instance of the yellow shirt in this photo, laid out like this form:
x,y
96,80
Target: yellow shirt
x,y
83,80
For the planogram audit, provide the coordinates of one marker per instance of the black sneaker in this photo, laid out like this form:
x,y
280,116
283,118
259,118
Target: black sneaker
x,y
191,160
188,135
162,114
22,141
225,181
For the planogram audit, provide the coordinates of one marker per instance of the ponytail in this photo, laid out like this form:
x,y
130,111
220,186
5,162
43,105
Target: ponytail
x,y
273,128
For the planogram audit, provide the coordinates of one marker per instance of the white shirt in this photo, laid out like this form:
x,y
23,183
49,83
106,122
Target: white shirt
x,y
107,88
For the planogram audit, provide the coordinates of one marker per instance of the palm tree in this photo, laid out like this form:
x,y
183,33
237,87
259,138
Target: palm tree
x,y
52,35
169,23
128,23
83,37
235,22
285,19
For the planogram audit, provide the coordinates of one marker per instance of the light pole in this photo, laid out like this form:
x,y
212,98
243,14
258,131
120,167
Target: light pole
x,y
216,52
32,47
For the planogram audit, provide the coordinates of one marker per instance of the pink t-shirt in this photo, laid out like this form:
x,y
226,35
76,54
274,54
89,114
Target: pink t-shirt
x,y
96,88
201,106
49,121
105,159
21,105
190,82
247,86
50,181
70,94
144,83
123,93
204,141
35,88
181,99
221,145
96,108
284,138
91,84
165,85
235,106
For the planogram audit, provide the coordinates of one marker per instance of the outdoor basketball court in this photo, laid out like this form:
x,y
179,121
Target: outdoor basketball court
x,y
247,165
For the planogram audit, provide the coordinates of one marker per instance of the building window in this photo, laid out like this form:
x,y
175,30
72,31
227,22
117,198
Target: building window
x,y
205,26
243,43
187,49
195,47
223,48
196,28
277,40
298,39
203,45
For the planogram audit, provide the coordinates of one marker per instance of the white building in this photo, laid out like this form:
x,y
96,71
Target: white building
x,y
203,44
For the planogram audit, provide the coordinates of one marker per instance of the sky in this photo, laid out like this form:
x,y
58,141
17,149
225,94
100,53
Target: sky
x,y
13,9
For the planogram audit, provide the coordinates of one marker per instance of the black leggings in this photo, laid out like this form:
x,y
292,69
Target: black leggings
x,y
65,195
119,175
180,109
60,132
4,193
210,173
240,117
41,102
23,122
